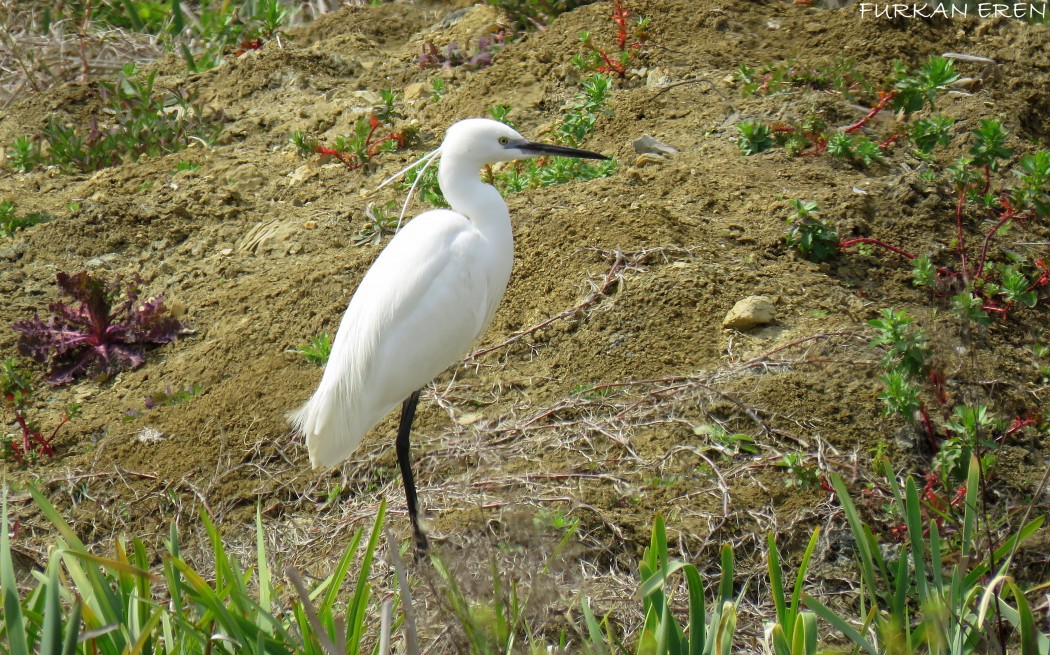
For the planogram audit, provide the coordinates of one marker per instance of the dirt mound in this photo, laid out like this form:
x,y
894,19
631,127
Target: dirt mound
x,y
599,416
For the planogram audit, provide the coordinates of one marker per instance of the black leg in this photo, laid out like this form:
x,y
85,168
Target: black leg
x,y
408,412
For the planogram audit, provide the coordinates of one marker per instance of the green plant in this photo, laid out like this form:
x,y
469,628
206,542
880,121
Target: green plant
x,y
906,344
317,350
813,238
381,222
972,431
799,473
11,223
755,137
304,144
115,605
206,33
920,88
728,443
438,88
661,633
928,133
171,397
25,154
934,597
135,122
427,186
795,631
501,113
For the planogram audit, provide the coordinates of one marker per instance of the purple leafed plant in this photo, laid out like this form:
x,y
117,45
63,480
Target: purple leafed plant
x,y
100,334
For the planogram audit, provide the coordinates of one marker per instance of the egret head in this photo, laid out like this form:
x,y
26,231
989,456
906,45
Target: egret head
x,y
483,141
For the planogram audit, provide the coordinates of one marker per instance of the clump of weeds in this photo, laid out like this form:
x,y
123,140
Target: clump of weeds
x,y
105,330
28,444
813,238
317,351
840,76
382,221
135,121
573,130
917,390
452,56
373,135
977,286
629,39
905,94
11,222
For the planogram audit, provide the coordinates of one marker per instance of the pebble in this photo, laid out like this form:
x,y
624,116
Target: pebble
x,y
177,308
149,435
310,225
646,144
226,252
415,91
750,312
647,159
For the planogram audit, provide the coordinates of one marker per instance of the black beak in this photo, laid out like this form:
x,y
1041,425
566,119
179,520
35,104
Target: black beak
x,y
537,148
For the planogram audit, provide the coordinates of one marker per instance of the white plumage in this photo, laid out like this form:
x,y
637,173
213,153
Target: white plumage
x,y
429,295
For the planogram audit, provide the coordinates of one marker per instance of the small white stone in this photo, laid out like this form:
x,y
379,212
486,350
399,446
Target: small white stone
x,y
750,312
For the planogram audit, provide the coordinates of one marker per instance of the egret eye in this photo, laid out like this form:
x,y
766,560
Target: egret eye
x,y
504,140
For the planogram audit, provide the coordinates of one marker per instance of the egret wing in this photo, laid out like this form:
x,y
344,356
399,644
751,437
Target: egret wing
x,y
418,309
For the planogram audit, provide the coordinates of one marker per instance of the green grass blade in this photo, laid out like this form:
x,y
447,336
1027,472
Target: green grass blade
x,y
69,646
776,581
726,629
355,610
697,611
779,640
133,16
334,581
597,645
1026,620
849,631
860,536
913,515
809,621
725,586
803,567
57,520
265,579
14,621
51,635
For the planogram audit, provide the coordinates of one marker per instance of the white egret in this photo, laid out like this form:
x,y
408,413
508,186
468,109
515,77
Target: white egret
x,y
429,295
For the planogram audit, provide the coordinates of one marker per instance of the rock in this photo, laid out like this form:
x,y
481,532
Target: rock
x,y
658,76
226,252
415,91
647,145
301,174
310,225
177,308
149,434
749,312
648,159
